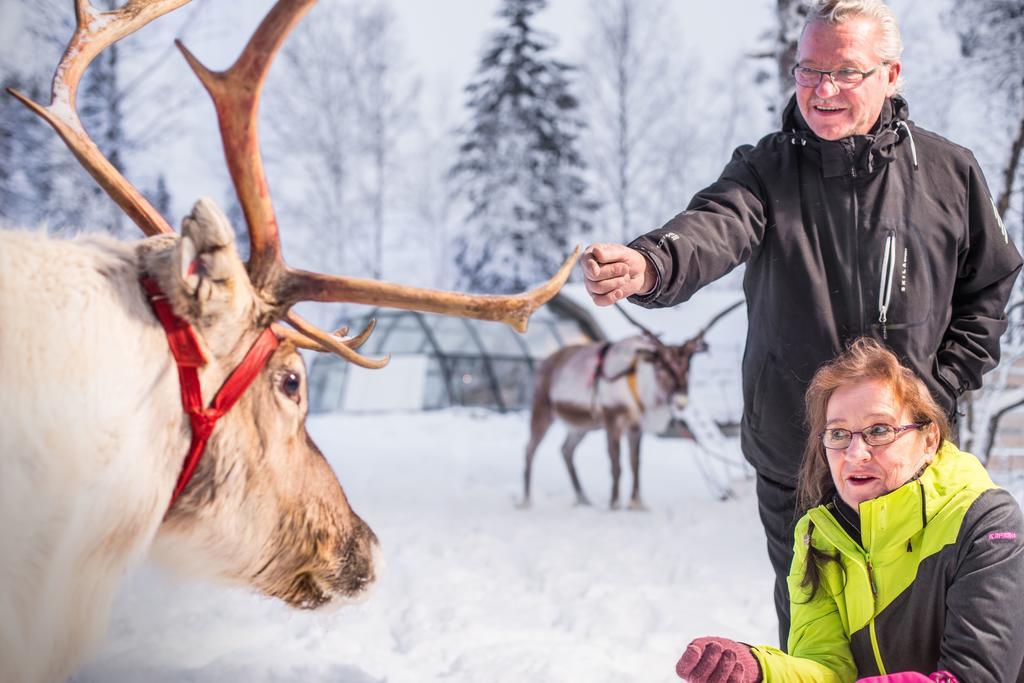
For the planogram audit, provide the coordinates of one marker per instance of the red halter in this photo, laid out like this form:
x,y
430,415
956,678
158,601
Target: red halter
x,y
189,356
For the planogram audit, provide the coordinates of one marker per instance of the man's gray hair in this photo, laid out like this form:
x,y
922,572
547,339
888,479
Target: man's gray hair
x,y
833,12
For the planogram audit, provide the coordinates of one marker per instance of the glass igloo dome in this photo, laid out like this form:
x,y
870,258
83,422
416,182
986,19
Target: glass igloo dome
x,y
440,361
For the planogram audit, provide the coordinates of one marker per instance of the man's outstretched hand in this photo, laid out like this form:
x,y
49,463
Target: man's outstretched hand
x,y
612,272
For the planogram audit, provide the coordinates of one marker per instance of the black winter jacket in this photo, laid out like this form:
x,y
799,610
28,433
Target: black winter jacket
x,y
892,234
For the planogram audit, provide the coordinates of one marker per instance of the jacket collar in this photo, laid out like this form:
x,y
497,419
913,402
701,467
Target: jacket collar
x,y
857,155
890,521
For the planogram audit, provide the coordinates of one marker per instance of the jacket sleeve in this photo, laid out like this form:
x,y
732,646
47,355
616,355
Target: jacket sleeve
x,y
818,645
983,641
722,226
988,266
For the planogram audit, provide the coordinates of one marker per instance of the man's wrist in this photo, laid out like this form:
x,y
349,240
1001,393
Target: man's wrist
x,y
651,277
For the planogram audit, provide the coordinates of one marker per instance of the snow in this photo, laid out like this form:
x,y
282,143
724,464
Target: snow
x,y
476,589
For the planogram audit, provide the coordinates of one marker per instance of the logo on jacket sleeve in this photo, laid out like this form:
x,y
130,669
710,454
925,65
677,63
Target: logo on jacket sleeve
x,y
666,238
1002,536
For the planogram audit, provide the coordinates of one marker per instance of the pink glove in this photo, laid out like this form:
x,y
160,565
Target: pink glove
x,y
718,660
911,677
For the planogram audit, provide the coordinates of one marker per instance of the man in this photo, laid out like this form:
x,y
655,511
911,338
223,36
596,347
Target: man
x,y
852,221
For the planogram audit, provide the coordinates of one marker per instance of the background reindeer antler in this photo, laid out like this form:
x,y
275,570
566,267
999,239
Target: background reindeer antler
x,y
636,323
235,93
697,338
719,316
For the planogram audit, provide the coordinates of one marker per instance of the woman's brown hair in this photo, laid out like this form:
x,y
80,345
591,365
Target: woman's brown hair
x,y
864,359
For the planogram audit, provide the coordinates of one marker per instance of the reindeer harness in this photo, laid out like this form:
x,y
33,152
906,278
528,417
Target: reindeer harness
x,y
188,355
629,373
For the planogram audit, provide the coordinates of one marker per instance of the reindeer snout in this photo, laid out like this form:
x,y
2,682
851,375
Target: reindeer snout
x,y
359,561
678,404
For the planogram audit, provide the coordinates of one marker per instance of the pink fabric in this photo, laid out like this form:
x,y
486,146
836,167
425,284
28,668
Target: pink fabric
x,y
718,660
911,677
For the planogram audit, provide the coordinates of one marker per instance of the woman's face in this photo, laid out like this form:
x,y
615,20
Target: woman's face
x,y
860,471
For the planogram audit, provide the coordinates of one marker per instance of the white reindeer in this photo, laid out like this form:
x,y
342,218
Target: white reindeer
x,y
634,385
93,432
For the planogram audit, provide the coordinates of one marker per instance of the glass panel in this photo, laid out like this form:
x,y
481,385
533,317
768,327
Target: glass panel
x,y
541,340
406,336
326,384
570,332
452,335
515,381
498,339
470,383
435,391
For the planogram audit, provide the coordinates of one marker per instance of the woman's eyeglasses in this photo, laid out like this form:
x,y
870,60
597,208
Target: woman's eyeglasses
x,y
875,435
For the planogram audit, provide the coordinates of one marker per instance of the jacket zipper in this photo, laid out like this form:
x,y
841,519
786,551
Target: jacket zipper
x,y
855,210
869,571
886,280
871,624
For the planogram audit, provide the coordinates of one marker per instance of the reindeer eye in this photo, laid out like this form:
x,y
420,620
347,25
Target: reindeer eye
x,y
291,383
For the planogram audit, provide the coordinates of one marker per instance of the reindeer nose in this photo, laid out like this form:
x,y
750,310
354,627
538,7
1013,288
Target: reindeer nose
x,y
358,555
678,404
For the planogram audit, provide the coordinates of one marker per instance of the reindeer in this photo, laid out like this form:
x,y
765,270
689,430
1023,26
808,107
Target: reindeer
x,y
122,361
634,385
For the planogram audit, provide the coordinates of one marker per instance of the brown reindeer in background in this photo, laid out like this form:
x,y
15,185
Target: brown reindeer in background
x,y
121,358
635,385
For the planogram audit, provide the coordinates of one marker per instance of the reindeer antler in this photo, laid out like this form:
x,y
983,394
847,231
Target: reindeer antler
x,y
95,31
637,324
235,94
721,314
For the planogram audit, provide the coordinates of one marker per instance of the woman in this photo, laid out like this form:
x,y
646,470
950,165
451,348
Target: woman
x,y
908,559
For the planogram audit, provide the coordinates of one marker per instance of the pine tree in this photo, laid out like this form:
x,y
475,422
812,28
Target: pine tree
x,y
41,182
518,166
161,196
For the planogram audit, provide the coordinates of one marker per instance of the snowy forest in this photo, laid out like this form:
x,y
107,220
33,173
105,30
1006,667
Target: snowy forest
x,y
594,126
471,144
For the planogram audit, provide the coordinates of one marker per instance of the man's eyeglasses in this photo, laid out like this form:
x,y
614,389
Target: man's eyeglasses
x,y
844,78
875,435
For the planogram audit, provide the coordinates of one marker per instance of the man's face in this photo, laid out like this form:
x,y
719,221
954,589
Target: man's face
x,y
833,113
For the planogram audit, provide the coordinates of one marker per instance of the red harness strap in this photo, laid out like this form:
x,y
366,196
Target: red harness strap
x,y
188,355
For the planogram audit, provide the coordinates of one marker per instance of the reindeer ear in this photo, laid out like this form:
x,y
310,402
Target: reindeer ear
x,y
206,263
188,263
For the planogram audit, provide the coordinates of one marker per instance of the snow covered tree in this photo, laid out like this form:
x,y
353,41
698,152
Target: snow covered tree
x,y
991,34
779,52
992,42
635,87
340,101
792,14
519,169
41,182
384,99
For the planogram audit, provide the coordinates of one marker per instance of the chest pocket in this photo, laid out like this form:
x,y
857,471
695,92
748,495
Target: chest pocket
x,y
902,278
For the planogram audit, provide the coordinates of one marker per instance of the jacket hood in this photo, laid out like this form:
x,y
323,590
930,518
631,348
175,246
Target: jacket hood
x,y
868,153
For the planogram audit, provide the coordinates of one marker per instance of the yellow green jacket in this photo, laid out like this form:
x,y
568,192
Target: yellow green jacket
x,y
937,584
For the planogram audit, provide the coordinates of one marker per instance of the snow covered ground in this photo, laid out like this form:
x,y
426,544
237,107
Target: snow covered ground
x,y
475,589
